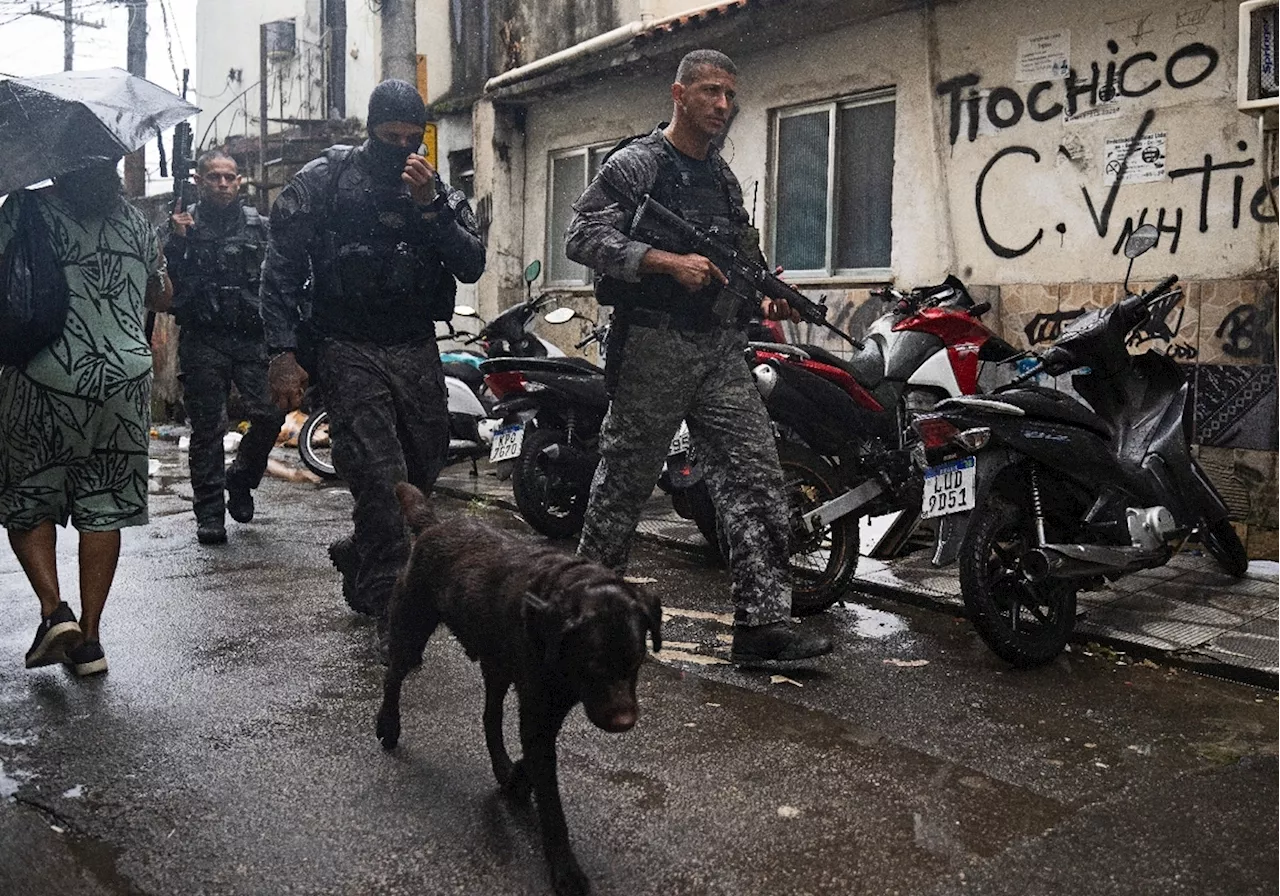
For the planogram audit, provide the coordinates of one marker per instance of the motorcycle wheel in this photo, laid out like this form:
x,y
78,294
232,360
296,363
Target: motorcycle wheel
x,y
1224,545
314,446
823,562
549,499
1025,623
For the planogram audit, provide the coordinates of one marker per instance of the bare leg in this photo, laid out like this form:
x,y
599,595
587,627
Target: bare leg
x,y
36,550
99,554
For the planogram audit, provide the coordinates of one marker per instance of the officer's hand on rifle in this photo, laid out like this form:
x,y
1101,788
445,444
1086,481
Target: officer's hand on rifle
x,y
778,309
421,178
180,220
693,272
288,381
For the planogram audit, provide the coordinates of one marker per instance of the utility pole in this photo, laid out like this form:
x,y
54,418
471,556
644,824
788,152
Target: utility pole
x,y
399,40
69,24
135,164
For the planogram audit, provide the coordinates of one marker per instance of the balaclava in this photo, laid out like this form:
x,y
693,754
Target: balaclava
x,y
393,100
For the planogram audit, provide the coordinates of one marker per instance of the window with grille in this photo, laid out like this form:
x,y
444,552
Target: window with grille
x,y
833,187
568,173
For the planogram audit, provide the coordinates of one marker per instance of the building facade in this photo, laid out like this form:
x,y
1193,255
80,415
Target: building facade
x,y
1015,144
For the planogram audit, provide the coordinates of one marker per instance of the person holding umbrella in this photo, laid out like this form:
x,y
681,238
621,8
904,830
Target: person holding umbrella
x,y
75,418
75,421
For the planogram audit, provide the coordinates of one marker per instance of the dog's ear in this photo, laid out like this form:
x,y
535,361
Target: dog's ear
x,y
652,609
543,624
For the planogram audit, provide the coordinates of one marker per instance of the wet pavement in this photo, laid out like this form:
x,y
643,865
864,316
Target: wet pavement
x,y
230,749
1187,613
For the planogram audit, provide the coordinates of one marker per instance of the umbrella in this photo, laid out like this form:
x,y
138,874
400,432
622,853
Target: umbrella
x,y
52,124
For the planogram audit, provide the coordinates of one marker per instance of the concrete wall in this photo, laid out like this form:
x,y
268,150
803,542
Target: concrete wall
x,y
1017,199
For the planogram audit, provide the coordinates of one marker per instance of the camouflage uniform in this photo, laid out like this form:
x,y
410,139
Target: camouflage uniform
x,y
676,359
383,272
215,271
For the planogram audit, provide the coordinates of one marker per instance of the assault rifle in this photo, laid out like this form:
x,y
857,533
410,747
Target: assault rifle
x,y
182,161
747,276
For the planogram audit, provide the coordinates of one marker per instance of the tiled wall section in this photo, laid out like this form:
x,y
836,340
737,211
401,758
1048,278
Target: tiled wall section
x,y
1223,332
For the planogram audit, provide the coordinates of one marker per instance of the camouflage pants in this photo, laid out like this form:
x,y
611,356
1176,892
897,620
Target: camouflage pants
x,y
388,419
208,364
666,376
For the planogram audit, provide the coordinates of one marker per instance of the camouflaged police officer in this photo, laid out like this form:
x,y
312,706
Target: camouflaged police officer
x,y
214,255
368,243
676,350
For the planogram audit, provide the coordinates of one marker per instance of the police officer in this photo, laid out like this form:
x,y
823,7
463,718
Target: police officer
x,y
214,254
383,239
676,350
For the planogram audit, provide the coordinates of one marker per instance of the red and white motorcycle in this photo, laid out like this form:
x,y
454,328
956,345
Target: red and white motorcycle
x,y
843,425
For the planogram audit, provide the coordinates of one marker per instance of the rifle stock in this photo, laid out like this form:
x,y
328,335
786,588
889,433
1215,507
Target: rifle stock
x,y
734,264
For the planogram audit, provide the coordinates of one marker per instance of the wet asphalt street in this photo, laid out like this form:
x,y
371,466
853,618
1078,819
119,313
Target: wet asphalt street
x,y
230,749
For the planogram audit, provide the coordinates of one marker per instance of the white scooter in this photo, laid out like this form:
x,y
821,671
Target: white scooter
x,y
471,427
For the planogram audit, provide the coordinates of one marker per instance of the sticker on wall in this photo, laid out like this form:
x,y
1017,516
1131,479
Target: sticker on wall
x,y
1044,57
1142,162
1096,112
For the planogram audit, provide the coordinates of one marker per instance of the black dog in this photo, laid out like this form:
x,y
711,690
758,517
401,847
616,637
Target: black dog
x,y
560,628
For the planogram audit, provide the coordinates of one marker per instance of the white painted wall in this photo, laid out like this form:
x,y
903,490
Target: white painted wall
x,y
936,217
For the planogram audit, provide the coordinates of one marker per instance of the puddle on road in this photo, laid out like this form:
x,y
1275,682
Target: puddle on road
x,y
8,783
869,623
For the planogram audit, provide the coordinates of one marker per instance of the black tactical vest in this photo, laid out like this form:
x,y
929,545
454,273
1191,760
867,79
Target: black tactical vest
x,y
221,269
702,192
377,275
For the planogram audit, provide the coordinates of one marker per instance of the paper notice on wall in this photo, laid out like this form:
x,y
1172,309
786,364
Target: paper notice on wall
x,y
1145,159
1044,57
1098,112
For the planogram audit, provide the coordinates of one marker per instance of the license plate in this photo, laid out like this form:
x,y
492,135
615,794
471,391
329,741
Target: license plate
x,y
680,444
950,488
507,442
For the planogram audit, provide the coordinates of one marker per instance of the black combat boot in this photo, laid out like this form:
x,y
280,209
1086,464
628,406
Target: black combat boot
x,y
778,642
346,559
240,503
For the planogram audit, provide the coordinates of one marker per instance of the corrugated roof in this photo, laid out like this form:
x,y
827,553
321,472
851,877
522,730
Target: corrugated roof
x,y
704,15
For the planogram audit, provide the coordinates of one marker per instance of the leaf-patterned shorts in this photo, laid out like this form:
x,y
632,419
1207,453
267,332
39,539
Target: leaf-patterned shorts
x,y
66,456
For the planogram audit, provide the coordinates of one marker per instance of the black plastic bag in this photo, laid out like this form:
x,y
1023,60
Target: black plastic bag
x,y
33,288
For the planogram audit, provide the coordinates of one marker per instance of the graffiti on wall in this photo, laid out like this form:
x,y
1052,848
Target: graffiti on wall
x,y
1136,75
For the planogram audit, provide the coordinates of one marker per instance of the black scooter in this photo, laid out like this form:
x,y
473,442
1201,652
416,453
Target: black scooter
x,y
552,410
1041,496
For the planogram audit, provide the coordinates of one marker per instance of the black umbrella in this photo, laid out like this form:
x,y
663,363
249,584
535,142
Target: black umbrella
x,y
52,124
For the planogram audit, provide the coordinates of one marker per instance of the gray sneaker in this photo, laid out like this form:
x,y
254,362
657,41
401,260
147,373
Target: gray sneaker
x,y
57,632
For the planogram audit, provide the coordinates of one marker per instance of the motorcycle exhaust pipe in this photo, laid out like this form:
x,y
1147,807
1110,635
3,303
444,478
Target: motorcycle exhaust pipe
x,y
1078,561
568,456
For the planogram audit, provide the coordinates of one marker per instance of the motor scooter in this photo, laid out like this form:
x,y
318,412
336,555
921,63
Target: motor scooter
x,y
842,433
470,405
1040,495
554,408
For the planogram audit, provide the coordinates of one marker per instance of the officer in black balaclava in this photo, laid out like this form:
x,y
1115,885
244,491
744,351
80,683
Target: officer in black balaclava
x,y
382,241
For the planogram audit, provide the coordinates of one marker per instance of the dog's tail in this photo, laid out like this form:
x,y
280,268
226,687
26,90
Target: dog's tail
x,y
413,504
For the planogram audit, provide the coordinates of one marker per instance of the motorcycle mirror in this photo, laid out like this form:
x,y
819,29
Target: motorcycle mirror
x,y
465,311
560,315
1141,240
532,271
